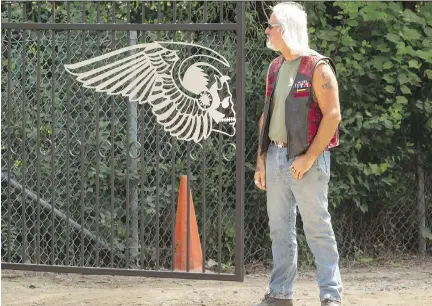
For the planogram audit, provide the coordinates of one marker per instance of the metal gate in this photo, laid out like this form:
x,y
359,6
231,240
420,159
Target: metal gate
x,y
90,177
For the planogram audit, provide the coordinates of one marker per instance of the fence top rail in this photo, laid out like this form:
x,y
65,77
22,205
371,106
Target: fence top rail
x,y
122,27
54,15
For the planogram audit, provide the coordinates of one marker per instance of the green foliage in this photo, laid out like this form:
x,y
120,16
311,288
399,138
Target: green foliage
x,y
382,66
383,59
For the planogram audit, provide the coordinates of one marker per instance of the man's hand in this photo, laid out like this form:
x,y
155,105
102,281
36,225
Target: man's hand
x,y
259,177
301,165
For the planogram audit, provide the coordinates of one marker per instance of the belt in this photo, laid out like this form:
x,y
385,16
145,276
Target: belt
x,y
279,144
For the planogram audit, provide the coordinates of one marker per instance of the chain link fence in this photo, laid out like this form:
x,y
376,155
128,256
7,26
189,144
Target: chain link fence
x,y
67,199
91,181
389,229
77,194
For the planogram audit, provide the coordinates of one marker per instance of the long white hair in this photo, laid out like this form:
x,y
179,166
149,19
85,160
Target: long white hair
x,y
293,17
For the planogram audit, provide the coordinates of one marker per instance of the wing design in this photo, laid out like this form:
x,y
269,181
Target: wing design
x,y
144,74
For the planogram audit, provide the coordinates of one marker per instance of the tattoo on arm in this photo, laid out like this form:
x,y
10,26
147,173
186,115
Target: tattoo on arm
x,y
326,78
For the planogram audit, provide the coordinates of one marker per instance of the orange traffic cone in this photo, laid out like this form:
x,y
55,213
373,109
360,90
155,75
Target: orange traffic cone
x,y
181,229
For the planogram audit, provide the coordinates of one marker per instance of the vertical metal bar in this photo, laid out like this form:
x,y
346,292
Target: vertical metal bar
x,y
133,129
188,170
112,153
205,12
157,194
143,159
38,171
33,233
158,171
129,12
82,146
97,151
204,212
143,181
173,154
173,200
53,122
219,220
128,163
174,11
421,204
220,173
23,148
9,135
68,114
142,18
240,141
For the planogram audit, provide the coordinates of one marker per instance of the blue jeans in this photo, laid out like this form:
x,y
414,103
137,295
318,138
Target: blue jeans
x,y
309,194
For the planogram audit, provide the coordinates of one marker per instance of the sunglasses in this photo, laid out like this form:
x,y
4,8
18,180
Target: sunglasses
x,y
272,25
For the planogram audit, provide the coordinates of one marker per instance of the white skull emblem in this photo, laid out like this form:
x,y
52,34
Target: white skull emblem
x,y
222,108
149,73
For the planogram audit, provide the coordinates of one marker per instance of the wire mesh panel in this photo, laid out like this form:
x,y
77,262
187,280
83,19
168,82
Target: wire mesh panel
x,y
91,179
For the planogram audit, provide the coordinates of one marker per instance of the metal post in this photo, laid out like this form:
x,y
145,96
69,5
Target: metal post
x,y
24,160
240,141
421,203
97,156
133,184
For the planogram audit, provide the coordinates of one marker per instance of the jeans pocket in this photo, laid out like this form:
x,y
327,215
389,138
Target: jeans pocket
x,y
324,163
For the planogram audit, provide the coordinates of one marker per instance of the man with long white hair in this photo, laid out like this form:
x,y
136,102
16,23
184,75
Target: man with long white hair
x,y
298,127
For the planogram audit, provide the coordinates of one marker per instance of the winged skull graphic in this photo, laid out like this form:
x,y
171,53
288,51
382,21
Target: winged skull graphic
x,y
147,73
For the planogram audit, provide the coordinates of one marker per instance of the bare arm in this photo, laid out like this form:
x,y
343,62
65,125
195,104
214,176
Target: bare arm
x,y
326,90
325,86
259,176
260,156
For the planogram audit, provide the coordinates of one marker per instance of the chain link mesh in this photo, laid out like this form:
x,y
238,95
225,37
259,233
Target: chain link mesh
x,y
55,210
390,230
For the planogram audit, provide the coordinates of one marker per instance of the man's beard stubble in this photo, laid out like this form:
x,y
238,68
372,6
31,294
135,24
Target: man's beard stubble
x,y
271,46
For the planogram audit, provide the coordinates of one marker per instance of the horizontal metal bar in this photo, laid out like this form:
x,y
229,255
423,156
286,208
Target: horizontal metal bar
x,y
122,27
120,272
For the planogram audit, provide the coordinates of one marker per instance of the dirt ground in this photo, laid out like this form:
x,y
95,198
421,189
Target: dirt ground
x,y
397,284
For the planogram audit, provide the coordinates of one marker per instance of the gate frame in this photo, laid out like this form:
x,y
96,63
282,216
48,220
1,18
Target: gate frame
x,y
239,28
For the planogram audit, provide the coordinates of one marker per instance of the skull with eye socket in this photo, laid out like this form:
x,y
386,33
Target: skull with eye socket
x,y
190,98
222,106
216,100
